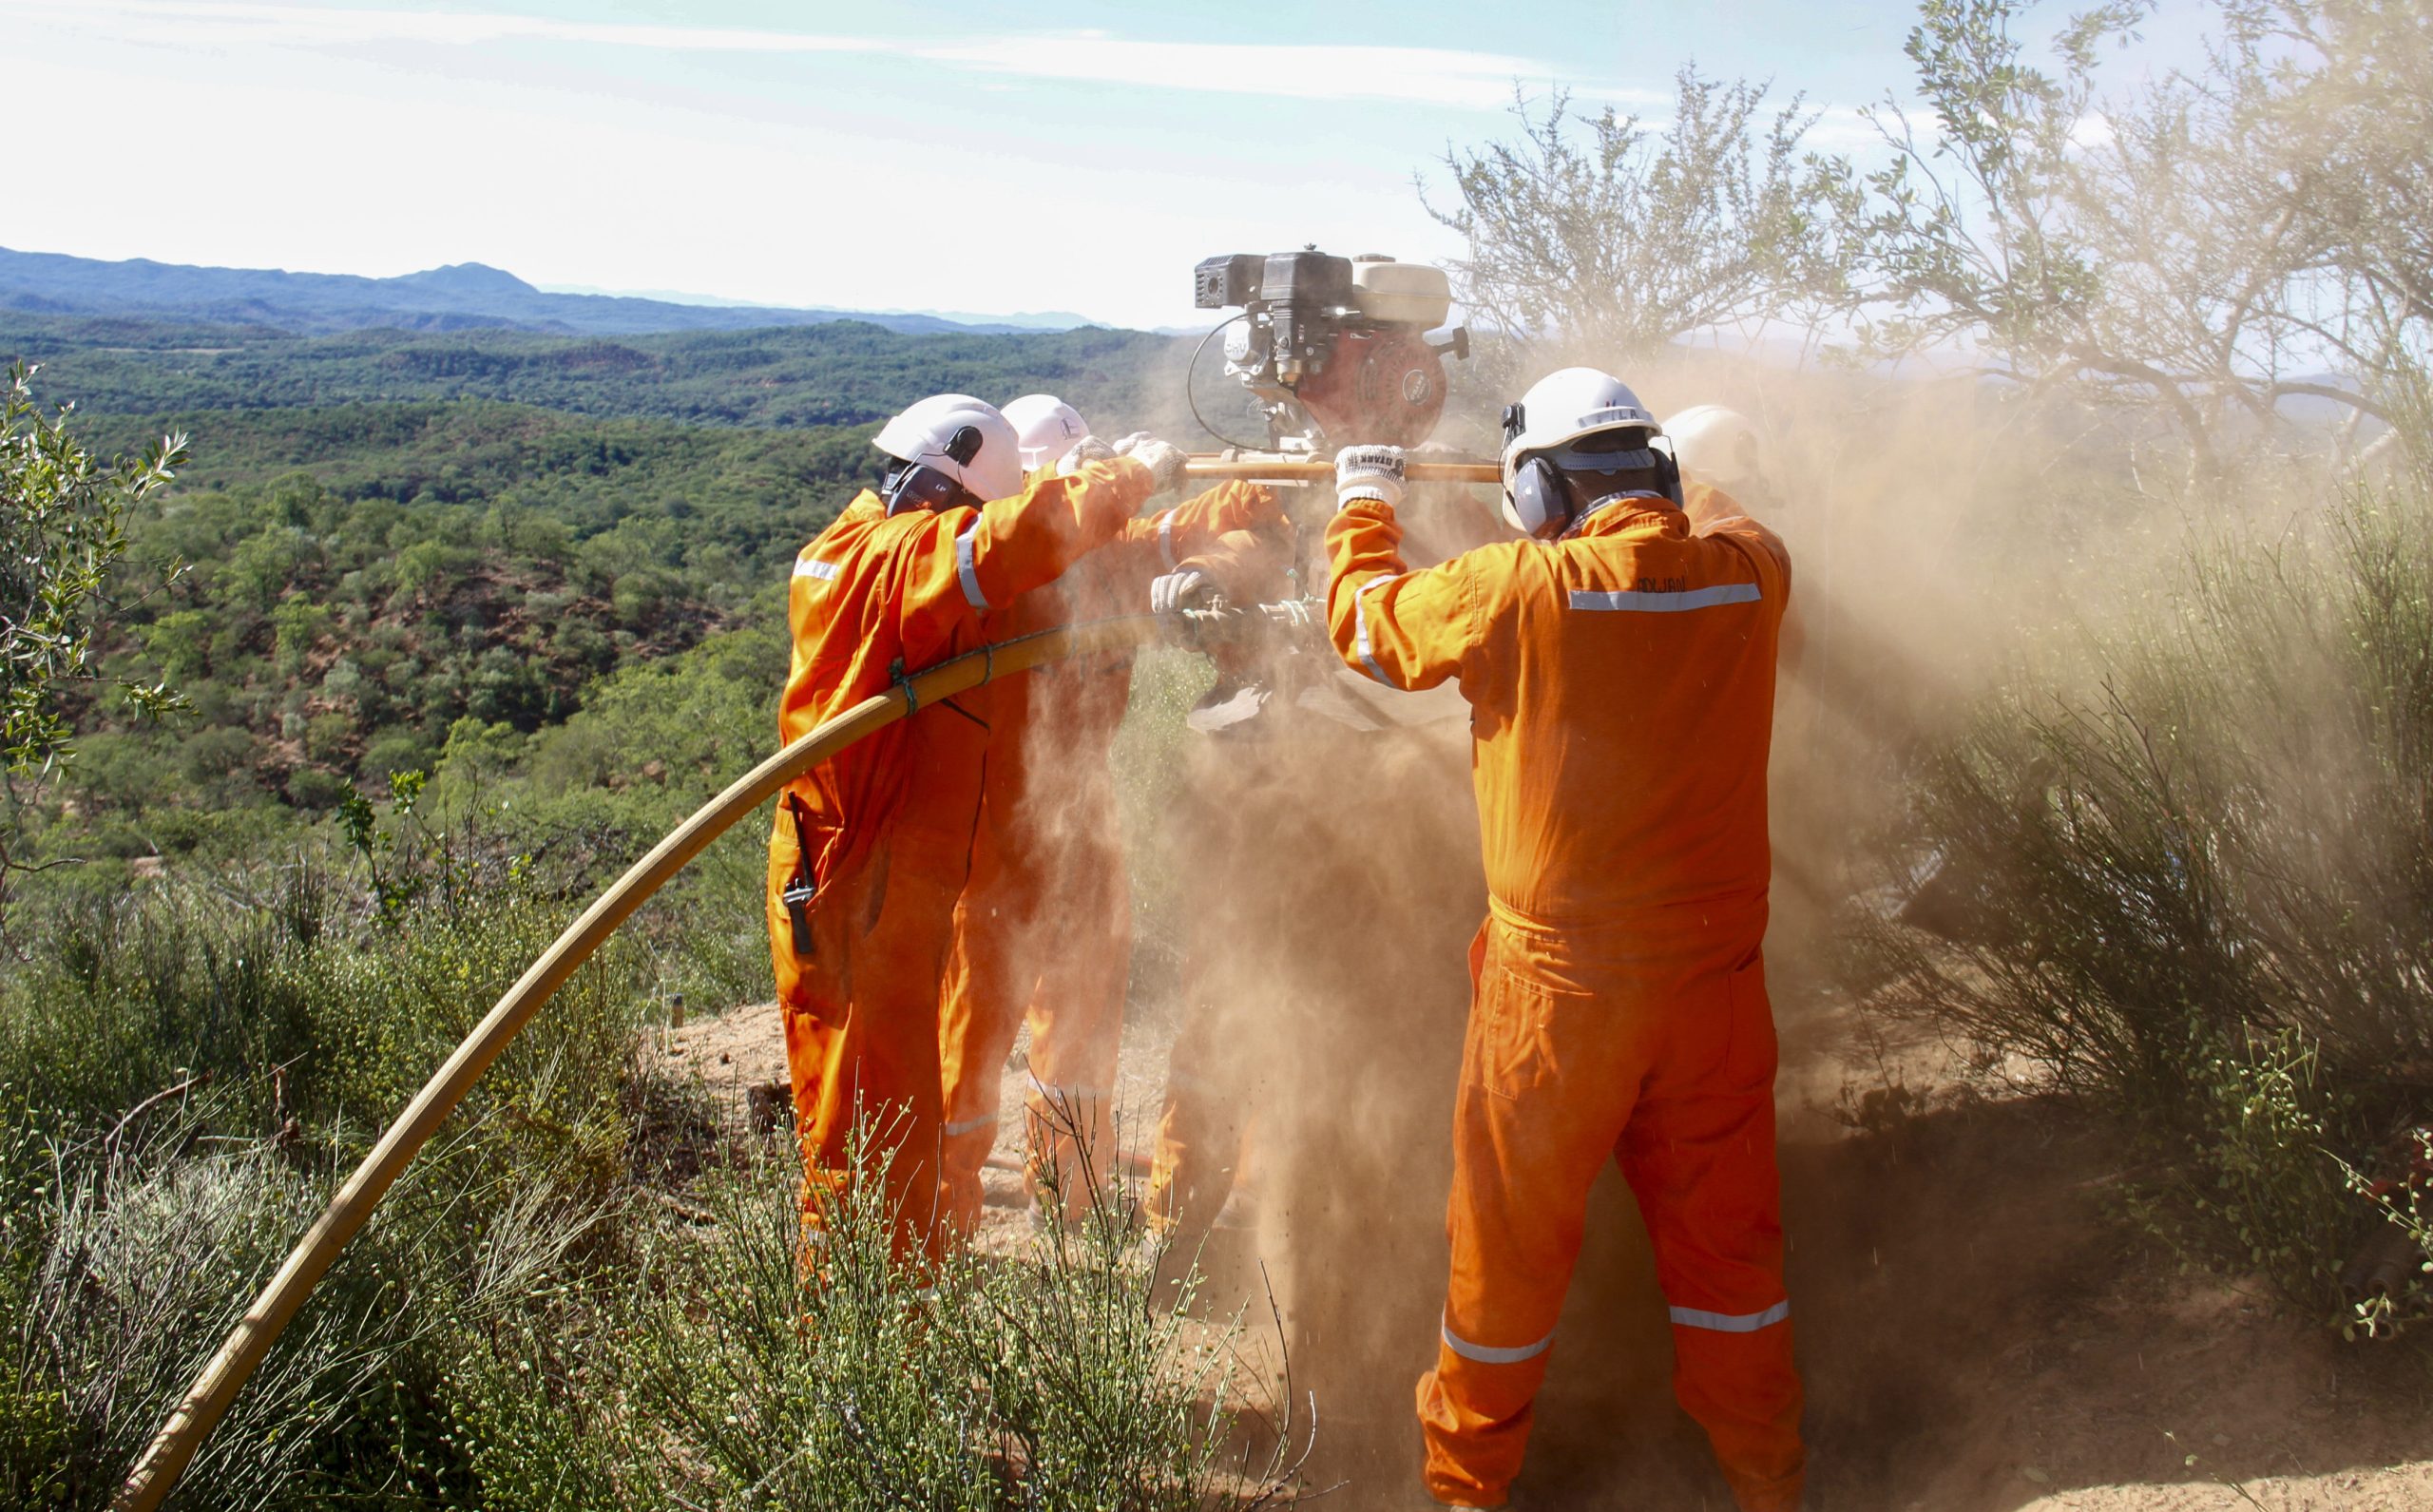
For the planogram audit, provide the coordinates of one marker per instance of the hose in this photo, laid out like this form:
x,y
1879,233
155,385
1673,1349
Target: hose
x,y
206,1401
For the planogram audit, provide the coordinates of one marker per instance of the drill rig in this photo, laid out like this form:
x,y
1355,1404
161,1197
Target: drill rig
x,y
1336,350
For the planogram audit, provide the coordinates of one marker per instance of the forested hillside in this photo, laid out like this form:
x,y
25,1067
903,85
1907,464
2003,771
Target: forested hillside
x,y
845,372
385,543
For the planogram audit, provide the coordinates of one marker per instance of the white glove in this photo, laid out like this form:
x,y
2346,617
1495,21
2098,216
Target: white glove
x,y
1178,590
1164,462
1086,451
1368,473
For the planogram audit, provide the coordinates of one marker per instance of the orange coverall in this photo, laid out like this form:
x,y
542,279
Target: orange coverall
x,y
1045,927
890,824
1622,686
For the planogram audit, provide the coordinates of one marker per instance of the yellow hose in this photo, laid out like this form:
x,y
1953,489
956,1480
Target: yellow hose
x,y
206,1401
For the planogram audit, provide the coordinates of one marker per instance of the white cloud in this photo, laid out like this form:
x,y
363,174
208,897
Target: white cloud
x,y
1434,76
2092,132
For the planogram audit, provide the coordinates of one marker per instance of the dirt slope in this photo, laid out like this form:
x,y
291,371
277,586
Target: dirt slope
x,y
1978,1335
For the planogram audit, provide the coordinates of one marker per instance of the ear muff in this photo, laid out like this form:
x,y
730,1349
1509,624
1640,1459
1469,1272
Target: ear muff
x,y
913,486
1541,502
1667,474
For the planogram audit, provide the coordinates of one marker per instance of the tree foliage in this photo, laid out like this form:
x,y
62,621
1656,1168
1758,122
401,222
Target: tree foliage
x,y
2224,239
66,514
1609,233
2220,247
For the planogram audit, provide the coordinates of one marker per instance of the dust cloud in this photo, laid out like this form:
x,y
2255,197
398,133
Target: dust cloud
x,y
1304,851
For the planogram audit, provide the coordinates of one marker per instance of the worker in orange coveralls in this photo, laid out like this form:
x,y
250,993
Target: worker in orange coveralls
x,y
1619,666
870,849
1045,927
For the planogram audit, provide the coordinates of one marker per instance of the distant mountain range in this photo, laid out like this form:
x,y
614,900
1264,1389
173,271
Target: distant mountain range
x,y
1023,320
461,297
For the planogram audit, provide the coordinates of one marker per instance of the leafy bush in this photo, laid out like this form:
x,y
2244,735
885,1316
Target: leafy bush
x,y
743,1371
2198,888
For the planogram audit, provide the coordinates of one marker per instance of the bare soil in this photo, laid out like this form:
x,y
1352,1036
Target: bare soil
x,y
1980,1329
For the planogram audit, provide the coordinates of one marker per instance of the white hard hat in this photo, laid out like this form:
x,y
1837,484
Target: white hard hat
x,y
1559,410
1719,446
986,461
1046,428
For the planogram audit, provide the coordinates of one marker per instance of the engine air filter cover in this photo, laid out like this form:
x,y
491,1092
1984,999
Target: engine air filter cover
x,y
1411,294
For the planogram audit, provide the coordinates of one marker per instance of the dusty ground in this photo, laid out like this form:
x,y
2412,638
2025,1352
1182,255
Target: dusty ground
x,y
1977,1334
743,1048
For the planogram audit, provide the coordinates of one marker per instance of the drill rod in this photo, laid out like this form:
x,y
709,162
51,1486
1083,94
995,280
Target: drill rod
x,y
1217,469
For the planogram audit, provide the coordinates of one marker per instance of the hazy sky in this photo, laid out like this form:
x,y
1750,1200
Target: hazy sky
x,y
950,156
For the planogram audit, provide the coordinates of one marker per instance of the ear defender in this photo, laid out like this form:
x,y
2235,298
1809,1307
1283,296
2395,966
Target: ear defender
x,y
1538,496
1667,474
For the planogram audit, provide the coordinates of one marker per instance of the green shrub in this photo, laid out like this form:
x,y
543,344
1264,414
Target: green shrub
x,y
2189,876
128,1273
737,1374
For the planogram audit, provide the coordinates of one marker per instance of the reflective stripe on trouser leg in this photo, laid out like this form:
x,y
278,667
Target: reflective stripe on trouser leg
x,y
1528,1141
1725,1322
1488,1353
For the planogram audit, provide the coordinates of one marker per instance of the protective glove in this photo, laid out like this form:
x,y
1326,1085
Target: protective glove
x,y
1164,461
1185,590
1086,451
1368,473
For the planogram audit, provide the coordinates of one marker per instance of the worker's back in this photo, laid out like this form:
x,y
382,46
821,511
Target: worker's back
x,y
863,610
1622,685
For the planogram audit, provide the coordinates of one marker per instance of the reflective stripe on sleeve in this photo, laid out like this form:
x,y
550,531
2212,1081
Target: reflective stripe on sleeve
x,y
1488,1354
961,1127
1730,1321
966,565
1075,1091
1166,538
807,567
1360,631
1649,601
